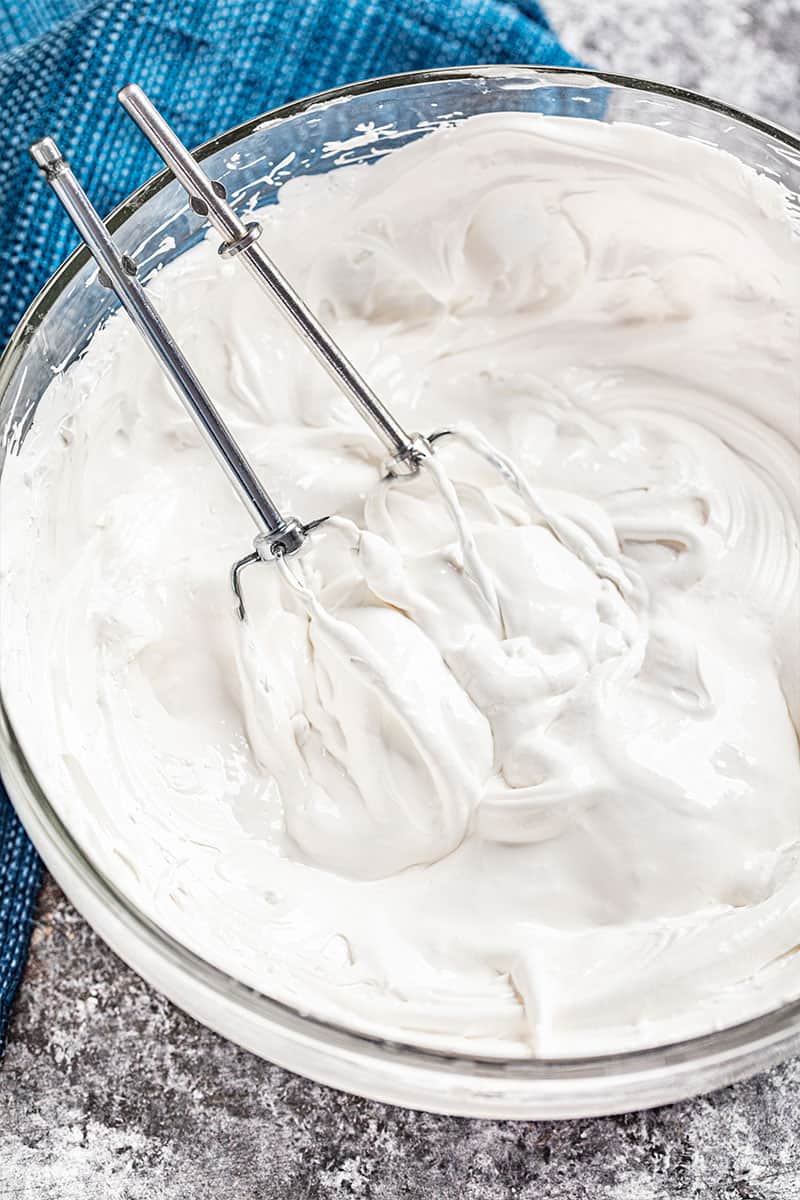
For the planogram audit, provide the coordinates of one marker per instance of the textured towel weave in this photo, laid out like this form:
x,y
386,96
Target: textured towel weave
x,y
208,64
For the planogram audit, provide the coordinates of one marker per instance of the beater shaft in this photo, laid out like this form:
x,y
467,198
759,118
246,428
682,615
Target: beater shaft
x,y
277,534
208,198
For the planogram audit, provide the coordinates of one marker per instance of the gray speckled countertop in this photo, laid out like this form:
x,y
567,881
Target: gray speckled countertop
x,y
107,1092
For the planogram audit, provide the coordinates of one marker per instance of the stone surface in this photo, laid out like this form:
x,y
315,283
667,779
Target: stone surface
x,y
745,53
110,1093
107,1092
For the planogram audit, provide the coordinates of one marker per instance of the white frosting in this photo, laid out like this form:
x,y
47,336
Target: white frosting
x,y
533,789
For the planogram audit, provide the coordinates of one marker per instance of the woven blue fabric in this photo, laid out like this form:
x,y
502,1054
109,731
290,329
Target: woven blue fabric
x,y
208,64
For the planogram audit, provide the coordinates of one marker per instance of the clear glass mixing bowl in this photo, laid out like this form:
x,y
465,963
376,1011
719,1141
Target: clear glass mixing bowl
x,y
319,134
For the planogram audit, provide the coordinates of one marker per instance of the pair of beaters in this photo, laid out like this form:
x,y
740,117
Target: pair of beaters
x,y
279,534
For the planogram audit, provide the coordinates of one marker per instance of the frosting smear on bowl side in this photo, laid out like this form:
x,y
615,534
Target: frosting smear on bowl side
x,y
530,786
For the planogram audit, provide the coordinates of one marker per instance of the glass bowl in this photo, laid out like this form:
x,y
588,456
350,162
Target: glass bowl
x,y
319,134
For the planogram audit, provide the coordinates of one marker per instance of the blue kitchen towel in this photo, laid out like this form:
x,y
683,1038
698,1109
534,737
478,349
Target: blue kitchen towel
x,y
208,64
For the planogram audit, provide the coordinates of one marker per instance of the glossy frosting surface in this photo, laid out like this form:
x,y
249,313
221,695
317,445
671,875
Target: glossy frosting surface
x,y
507,758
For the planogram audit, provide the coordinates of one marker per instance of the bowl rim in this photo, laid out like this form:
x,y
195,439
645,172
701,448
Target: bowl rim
x,y
627,1079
